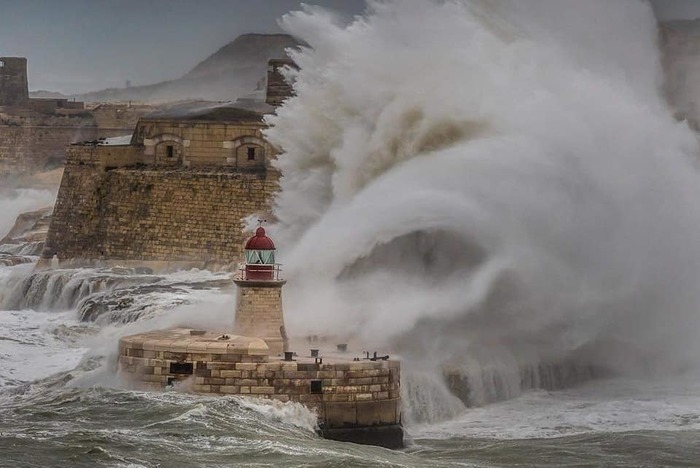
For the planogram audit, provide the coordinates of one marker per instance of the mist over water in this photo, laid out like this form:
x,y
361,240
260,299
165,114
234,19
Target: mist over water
x,y
21,201
490,185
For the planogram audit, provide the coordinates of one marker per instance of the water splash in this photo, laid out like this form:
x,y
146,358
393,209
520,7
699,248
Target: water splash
x,y
19,201
116,295
490,183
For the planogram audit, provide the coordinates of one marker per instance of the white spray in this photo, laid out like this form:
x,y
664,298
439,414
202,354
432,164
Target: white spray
x,y
21,201
500,180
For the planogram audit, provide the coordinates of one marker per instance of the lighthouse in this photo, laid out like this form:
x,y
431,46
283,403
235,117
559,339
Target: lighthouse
x,y
259,298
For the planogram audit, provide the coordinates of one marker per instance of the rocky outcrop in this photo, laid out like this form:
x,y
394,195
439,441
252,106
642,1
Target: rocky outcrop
x,y
26,238
29,227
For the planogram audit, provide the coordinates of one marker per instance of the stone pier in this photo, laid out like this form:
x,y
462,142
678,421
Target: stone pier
x,y
356,401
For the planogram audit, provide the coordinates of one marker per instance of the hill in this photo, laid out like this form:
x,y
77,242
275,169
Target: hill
x,y
236,70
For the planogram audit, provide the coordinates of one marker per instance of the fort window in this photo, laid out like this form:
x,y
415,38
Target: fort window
x,y
170,151
181,368
316,386
249,152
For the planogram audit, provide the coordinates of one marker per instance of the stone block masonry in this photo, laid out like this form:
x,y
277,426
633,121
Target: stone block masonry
x,y
153,215
14,88
33,143
35,132
259,313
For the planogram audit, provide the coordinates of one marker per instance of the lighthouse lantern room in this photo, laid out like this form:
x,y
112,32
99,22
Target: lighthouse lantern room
x,y
260,258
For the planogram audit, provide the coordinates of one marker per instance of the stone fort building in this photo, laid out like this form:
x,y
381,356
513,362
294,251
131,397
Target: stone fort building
x,y
173,194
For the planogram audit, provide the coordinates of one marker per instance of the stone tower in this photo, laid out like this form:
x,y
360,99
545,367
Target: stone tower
x,y
14,89
277,87
259,301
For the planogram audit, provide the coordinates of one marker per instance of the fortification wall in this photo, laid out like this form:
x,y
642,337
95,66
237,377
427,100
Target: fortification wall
x,y
153,217
32,142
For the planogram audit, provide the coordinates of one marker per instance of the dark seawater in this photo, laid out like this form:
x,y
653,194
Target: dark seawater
x,y
61,403
51,423
98,427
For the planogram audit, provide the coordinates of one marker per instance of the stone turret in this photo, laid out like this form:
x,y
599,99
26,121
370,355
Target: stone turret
x,y
278,89
14,89
259,301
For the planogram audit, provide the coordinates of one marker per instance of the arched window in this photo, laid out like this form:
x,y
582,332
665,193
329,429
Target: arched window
x,y
248,152
166,149
168,153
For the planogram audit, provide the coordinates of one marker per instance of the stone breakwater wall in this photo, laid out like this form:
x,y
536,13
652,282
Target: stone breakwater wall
x,y
156,217
352,399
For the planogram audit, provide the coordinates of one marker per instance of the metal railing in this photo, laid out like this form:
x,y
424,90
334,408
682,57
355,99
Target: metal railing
x,y
259,271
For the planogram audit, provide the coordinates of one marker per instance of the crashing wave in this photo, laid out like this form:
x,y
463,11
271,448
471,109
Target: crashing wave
x,y
491,186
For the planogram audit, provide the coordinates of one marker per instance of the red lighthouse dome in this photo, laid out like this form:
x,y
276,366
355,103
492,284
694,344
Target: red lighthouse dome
x,y
260,258
260,241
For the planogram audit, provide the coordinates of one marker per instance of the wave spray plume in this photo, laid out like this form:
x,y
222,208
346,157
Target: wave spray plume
x,y
501,180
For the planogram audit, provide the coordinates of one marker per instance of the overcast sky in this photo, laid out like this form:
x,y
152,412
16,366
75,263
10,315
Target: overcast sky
x,y
82,45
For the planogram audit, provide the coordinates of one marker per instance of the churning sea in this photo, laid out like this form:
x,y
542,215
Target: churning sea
x,y
62,405
434,152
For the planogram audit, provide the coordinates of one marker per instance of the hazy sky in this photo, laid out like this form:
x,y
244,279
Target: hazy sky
x,y
81,45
